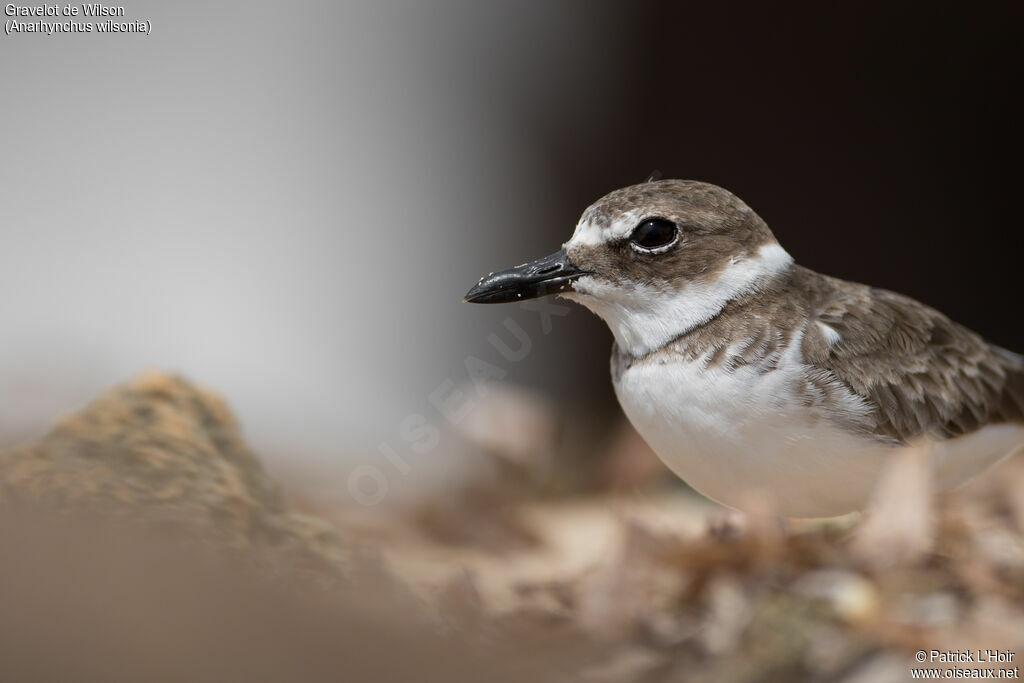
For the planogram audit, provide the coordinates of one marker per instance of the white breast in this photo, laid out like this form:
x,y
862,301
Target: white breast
x,y
734,433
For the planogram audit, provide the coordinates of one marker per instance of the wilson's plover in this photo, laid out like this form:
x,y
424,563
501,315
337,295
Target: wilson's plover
x,y
746,372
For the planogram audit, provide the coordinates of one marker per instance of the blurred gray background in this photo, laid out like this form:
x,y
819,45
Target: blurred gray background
x,y
286,202
284,205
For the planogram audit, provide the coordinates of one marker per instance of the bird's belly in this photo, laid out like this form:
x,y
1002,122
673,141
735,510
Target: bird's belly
x,y
742,435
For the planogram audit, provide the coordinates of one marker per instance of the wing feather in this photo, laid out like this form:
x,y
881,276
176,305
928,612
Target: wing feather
x,y
917,370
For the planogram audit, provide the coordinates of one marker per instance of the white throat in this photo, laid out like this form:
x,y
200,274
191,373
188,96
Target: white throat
x,y
643,318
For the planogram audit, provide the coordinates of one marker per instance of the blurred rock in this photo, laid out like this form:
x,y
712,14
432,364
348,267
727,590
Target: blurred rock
x,y
161,451
90,602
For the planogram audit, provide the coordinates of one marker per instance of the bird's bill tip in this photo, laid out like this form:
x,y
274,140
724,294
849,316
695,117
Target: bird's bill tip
x,y
549,275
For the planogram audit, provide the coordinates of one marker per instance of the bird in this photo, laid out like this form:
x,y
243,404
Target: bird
x,y
746,372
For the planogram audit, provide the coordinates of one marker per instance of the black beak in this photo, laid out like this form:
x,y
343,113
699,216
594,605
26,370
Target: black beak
x,y
549,275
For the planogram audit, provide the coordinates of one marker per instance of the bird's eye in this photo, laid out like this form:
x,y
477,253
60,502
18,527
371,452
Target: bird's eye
x,y
654,233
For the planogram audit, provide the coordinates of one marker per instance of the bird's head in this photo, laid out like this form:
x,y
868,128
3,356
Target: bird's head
x,y
653,260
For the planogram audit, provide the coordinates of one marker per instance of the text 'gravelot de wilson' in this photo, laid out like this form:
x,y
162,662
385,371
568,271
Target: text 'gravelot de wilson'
x,y
57,19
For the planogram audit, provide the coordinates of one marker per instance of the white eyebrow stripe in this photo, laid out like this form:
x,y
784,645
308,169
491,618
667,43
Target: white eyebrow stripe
x,y
590,235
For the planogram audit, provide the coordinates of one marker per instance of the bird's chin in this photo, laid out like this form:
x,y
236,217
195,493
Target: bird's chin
x,y
585,299
592,303
584,288
597,294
